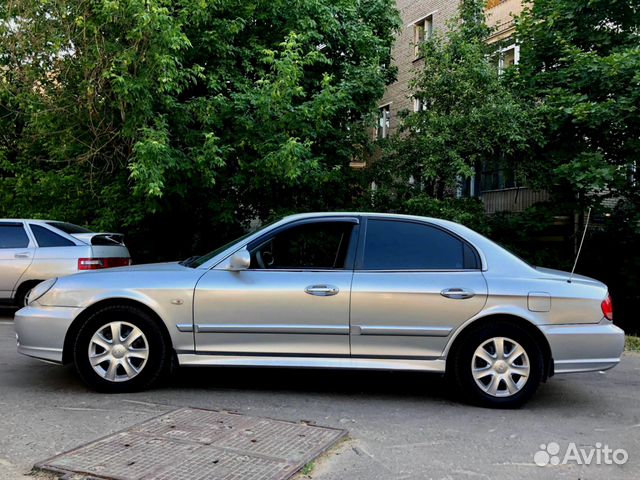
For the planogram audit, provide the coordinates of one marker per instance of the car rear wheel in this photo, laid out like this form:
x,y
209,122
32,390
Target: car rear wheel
x,y
23,293
498,365
120,349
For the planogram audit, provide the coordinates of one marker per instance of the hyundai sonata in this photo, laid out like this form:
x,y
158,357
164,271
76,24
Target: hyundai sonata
x,y
332,290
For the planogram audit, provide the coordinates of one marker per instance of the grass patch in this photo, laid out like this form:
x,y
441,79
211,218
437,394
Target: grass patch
x,y
308,468
632,344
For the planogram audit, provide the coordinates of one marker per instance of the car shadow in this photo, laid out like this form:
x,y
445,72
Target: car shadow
x,y
317,381
7,312
558,394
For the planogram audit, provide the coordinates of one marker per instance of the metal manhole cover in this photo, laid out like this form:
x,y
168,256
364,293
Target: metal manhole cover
x,y
192,444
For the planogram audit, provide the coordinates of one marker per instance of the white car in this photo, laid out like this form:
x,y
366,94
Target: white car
x,y
35,250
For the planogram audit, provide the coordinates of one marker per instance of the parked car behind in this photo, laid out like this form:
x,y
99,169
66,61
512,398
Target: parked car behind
x,y
332,290
35,250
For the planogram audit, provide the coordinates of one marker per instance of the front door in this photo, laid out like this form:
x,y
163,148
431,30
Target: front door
x,y
414,284
16,254
293,300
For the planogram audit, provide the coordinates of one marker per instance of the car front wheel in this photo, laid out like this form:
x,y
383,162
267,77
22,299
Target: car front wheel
x,y
498,365
120,349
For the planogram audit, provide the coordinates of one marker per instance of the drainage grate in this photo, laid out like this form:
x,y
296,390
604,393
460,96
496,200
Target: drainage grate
x,y
193,444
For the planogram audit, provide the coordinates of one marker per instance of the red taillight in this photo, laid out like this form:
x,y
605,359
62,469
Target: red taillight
x,y
116,262
98,263
607,308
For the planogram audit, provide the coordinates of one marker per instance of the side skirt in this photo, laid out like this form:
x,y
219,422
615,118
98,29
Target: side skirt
x,y
204,360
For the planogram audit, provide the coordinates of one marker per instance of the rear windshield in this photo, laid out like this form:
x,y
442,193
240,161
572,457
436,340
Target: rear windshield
x,y
69,228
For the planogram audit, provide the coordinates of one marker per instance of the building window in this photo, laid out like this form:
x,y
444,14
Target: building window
x,y
422,31
508,57
384,121
496,175
419,105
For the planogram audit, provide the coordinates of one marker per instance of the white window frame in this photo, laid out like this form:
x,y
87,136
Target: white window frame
x,y
516,56
426,23
419,105
384,121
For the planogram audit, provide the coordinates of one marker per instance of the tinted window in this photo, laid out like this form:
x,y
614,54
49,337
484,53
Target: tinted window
x,y
393,245
13,236
311,245
69,227
46,238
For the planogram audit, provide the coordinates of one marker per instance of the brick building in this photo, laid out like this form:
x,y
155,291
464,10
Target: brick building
x,y
420,18
496,186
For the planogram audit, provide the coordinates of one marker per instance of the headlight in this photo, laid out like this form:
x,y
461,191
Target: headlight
x,y
40,289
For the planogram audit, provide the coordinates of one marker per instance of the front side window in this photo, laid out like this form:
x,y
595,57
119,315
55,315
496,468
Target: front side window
x,y
13,236
47,238
320,245
395,245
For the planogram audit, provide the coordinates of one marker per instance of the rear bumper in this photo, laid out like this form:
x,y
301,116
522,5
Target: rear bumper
x,y
40,331
584,347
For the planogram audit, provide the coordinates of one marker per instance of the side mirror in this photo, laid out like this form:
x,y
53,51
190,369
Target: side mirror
x,y
241,260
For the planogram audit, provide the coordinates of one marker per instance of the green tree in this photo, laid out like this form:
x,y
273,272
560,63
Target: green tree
x,y
469,117
580,63
185,118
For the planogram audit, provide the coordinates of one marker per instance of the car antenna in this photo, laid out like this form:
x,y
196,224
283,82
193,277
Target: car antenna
x,y
584,234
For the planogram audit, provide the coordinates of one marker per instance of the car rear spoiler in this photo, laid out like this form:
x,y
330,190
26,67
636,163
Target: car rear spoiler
x,y
100,238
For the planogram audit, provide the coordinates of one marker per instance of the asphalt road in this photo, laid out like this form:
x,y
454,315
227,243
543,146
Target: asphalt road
x,y
401,425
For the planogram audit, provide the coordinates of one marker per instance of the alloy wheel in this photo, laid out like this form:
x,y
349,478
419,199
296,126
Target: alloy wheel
x,y
500,367
118,351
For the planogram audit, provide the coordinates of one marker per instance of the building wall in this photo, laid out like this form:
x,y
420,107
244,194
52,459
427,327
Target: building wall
x,y
398,95
499,14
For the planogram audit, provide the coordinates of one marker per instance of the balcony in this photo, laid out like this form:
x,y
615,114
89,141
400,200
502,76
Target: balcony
x,y
511,199
500,15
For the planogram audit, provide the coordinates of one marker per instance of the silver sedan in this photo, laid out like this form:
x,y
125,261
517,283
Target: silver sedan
x,y
332,290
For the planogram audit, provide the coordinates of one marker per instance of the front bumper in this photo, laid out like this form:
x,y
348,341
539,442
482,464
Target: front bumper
x,y
40,331
584,347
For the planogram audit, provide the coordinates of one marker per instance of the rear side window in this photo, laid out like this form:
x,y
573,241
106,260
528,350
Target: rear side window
x,y
47,238
394,245
13,236
69,227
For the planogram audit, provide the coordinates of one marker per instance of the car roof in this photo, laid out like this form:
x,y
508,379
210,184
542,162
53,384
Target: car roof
x,y
33,220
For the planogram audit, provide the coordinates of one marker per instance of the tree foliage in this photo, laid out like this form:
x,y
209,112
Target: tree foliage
x,y
199,113
469,117
580,63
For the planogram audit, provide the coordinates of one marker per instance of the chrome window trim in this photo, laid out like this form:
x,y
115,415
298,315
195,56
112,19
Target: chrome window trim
x,y
423,270
216,262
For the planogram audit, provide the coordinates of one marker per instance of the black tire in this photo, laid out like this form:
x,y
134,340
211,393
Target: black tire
x,y
463,356
23,291
157,362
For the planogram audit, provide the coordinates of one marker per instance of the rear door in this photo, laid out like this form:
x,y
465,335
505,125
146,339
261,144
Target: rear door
x,y
56,255
16,254
414,284
293,300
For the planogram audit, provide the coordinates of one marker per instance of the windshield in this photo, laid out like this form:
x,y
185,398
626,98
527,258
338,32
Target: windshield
x,y
69,228
195,262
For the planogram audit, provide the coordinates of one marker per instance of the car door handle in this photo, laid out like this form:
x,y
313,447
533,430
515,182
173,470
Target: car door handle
x,y
457,293
22,255
321,290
